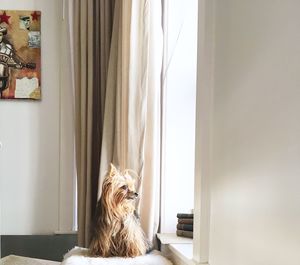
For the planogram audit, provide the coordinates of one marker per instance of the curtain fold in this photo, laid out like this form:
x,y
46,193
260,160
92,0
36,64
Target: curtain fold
x,y
102,24
150,199
83,81
90,26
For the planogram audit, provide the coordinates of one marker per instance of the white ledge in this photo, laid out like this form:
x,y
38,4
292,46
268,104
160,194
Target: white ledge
x,y
173,239
183,251
178,249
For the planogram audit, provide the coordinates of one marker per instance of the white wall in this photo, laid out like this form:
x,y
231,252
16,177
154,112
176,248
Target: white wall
x,y
31,158
255,198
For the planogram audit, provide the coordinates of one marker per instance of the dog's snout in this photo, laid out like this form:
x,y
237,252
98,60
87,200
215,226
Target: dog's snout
x,y
132,195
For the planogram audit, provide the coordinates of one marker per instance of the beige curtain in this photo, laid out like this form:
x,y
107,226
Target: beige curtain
x,y
117,53
90,28
131,132
83,62
102,23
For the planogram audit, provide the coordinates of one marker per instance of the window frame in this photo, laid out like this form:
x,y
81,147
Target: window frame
x,y
204,132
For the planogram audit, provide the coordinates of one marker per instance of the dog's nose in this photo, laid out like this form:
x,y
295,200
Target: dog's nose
x,y
136,194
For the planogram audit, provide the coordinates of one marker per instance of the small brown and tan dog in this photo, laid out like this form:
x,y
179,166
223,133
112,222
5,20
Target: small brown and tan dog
x,y
117,230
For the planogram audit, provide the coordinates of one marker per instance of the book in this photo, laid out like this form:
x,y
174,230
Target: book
x,y
184,233
185,227
185,215
185,220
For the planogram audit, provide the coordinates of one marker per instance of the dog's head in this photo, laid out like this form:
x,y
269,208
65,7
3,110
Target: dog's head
x,y
118,191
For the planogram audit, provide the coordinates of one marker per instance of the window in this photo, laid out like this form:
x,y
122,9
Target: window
x,y
204,109
179,103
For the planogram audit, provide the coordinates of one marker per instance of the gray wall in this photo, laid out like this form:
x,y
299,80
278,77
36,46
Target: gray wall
x,y
50,247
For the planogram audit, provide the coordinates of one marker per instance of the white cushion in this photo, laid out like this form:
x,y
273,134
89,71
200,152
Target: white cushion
x,y
78,256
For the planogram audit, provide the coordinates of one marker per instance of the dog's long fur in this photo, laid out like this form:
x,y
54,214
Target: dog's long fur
x,y
117,230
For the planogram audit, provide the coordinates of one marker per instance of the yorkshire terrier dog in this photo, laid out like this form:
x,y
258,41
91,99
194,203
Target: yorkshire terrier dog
x,y
117,230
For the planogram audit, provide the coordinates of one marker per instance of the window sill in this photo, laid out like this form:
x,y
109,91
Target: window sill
x,y
173,239
178,249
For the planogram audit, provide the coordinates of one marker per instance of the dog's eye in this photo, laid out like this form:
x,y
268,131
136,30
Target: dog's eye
x,y
124,187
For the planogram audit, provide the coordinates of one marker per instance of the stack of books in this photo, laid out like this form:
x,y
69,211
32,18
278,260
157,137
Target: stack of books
x,y
185,225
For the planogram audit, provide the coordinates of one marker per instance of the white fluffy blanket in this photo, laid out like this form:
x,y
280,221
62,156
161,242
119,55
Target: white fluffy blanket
x,y
78,256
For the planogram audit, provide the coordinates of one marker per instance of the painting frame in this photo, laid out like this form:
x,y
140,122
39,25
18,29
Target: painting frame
x,y
20,54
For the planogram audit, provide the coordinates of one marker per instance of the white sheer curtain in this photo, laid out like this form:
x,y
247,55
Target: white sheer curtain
x,y
131,133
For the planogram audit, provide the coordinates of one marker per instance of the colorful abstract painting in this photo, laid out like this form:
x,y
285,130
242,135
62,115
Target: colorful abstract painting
x,y
20,54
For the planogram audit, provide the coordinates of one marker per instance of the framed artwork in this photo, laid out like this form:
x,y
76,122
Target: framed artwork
x,y
20,54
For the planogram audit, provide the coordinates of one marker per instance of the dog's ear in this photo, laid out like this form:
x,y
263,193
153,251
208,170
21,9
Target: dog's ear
x,y
134,175
113,171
